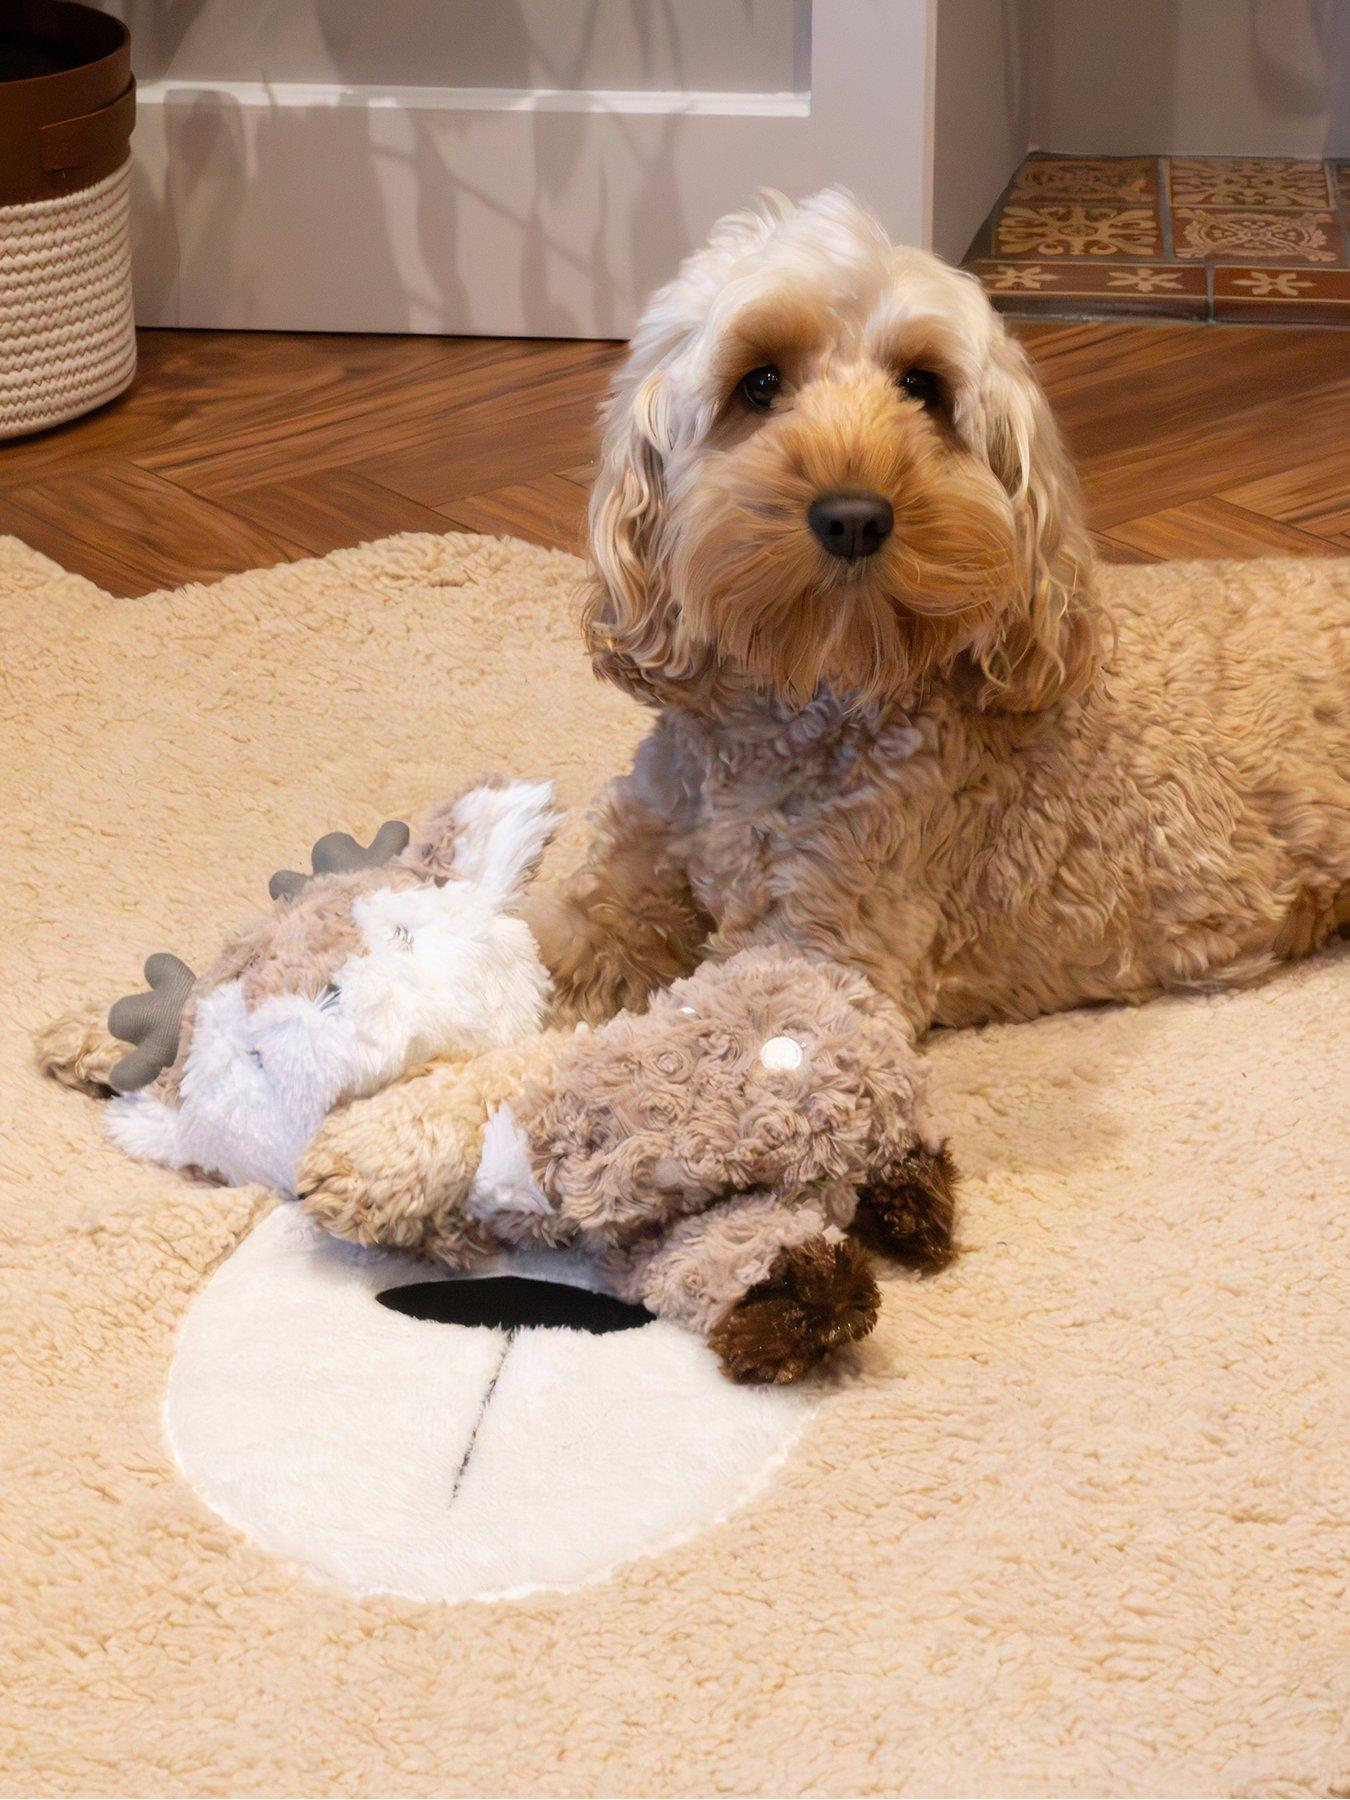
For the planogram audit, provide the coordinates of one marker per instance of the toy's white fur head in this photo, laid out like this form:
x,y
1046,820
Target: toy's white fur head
x,y
705,569
436,967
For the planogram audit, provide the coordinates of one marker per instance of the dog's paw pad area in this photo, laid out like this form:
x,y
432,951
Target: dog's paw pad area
x,y
508,1303
461,1437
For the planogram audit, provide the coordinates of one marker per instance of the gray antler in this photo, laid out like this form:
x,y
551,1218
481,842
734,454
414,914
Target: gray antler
x,y
340,854
151,1022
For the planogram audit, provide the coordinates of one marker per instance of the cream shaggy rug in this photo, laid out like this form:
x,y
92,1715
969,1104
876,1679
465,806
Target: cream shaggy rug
x,y
1073,1521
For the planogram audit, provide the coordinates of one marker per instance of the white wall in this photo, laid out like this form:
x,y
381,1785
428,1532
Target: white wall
x,y
982,113
534,166
1192,77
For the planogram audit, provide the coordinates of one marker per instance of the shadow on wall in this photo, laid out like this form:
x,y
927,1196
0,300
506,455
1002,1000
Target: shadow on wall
x,y
192,259
190,247
694,44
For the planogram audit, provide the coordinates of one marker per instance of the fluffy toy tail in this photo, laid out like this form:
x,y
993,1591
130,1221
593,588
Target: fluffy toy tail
x,y
501,833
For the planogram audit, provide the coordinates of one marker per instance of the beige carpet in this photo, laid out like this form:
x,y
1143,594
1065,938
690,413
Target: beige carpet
x,y
1073,1522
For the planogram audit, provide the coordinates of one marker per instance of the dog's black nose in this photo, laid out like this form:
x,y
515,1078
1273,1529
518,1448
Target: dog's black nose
x,y
851,525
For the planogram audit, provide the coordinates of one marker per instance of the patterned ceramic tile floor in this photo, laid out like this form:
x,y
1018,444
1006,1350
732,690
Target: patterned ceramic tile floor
x,y
1256,239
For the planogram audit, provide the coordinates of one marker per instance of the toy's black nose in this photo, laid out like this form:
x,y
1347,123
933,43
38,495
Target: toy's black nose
x,y
851,525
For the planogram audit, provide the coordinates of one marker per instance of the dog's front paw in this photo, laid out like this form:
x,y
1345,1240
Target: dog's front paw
x,y
817,1297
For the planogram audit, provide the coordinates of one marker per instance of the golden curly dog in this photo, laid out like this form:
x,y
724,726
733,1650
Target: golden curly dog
x,y
838,549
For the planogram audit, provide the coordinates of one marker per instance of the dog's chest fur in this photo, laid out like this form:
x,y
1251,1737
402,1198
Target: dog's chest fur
x,y
780,813
904,841
779,793
996,865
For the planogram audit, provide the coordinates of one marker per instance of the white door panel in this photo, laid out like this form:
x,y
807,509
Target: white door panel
x,y
321,204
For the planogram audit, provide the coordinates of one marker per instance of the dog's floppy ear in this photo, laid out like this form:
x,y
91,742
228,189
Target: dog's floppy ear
x,y
1050,641
626,615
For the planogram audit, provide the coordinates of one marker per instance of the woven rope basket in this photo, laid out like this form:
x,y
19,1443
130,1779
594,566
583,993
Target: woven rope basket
x,y
67,334
67,107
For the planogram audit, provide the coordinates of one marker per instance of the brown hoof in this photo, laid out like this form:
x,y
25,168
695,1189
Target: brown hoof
x,y
816,1297
911,1215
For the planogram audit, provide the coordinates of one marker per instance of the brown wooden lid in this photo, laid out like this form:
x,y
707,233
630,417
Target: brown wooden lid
x,y
67,98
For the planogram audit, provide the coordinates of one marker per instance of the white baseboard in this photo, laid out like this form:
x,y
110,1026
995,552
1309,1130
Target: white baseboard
x,y
481,99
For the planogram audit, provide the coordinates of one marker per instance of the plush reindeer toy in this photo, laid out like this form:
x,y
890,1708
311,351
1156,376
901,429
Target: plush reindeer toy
x,y
723,1156
374,1043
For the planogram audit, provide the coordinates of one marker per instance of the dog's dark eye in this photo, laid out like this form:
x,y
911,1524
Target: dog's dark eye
x,y
760,386
921,385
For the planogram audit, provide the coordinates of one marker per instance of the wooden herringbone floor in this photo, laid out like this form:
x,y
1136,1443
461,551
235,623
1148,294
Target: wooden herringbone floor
x,y
236,449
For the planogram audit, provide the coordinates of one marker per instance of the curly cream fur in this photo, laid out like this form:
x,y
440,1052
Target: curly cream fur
x,y
396,1169
79,1051
948,770
945,764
